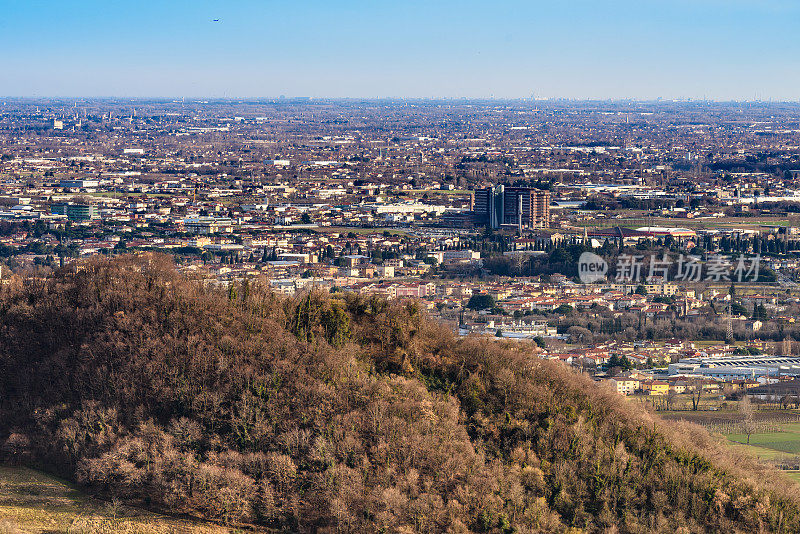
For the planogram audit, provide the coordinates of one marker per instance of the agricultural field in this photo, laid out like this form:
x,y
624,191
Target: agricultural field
x,y
781,449
785,440
31,502
715,412
776,439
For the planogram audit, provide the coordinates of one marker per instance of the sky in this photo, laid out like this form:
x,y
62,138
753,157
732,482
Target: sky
x,y
612,49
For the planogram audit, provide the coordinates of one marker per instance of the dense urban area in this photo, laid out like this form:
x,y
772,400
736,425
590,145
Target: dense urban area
x,y
479,209
652,246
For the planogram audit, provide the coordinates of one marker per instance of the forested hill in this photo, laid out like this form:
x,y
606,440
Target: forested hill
x,y
339,413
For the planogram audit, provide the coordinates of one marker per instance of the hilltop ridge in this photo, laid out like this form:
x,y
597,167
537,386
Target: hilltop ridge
x,y
334,412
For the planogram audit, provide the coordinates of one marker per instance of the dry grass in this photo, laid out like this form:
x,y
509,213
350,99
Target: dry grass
x,y
31,502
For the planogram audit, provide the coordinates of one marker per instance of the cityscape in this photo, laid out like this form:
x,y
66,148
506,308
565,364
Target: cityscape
x,y
478,209
400,267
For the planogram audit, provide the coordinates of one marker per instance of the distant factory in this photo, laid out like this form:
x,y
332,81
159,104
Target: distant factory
x,y
738,367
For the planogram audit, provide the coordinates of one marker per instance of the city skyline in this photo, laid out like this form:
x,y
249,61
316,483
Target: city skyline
x,y
708,50
356,266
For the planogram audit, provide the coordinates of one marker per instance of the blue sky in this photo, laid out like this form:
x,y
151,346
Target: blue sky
x,y
715,49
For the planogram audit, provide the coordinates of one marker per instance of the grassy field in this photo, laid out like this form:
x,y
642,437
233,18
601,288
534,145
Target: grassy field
x,y
769,455
764,451
786,441
727,412
780,446
32,502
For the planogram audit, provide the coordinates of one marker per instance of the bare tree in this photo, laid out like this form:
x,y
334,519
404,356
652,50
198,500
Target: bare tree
x,y
748,419
696,392
670,400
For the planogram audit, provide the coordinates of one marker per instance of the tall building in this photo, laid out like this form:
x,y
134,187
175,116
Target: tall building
x,y
490,205
76,212
520,207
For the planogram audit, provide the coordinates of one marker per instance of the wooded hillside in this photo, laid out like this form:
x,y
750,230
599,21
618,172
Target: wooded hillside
x,y
340,413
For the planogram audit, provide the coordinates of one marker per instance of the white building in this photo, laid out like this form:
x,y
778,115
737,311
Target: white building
x,y
624,386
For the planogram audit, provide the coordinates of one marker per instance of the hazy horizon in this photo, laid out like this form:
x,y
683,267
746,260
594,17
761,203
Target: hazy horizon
x,y
243,99
708,50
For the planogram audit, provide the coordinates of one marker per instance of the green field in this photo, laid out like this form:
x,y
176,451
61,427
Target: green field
x,y
33,502
760,452
778,448
787,441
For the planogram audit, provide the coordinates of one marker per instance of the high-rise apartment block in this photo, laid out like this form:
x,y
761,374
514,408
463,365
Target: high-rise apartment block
x,y
520,207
